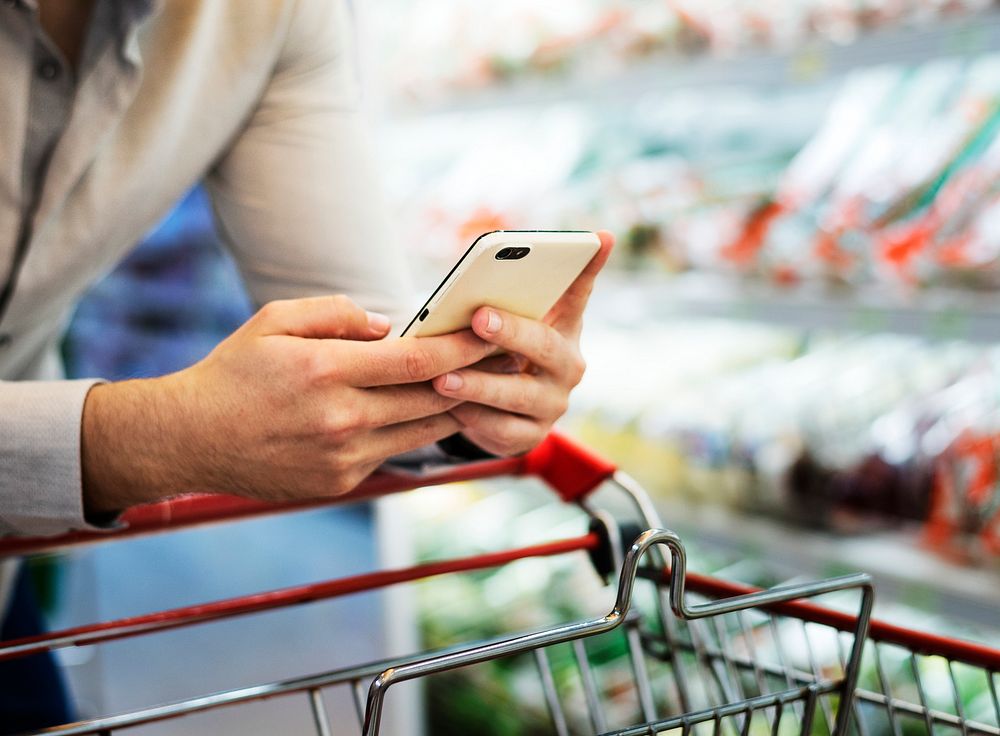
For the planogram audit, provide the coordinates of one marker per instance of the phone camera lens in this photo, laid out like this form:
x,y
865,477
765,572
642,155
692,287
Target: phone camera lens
x,y
511,254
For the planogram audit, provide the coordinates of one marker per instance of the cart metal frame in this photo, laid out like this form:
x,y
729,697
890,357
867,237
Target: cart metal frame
x,y
730,658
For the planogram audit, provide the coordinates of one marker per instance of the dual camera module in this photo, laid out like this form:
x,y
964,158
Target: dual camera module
x,y
511,254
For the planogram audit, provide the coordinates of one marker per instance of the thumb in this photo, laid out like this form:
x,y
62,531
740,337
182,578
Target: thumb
x,y
329,317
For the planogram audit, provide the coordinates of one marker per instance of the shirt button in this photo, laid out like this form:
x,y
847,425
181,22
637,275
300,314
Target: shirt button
x,y
5,339
48,69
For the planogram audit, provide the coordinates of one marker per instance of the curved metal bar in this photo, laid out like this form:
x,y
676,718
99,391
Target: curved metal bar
x,y
647,511
623,602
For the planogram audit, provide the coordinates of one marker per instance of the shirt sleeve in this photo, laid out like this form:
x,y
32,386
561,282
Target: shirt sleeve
x,y
297,196
40,477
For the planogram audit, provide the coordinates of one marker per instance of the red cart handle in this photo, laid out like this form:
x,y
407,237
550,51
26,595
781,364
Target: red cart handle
x,y
570,469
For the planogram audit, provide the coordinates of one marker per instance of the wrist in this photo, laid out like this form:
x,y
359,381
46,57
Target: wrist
x,y
130,445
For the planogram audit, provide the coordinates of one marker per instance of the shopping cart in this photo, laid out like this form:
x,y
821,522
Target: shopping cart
x,y
700,654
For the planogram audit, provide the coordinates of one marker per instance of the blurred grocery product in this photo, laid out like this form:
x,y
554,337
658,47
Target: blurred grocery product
x,y
438,49
838,431
898,184
673,177
964,517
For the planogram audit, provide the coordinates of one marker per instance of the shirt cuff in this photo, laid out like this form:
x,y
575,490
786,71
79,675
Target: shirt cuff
x,y
41,485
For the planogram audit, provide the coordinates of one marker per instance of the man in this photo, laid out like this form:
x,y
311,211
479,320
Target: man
x,y
115,107
112,109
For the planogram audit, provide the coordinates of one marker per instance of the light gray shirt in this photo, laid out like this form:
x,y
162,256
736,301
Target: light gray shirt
x,y
259,99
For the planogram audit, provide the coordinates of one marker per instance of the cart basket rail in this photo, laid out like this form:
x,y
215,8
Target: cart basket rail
x,y
695,600
571,470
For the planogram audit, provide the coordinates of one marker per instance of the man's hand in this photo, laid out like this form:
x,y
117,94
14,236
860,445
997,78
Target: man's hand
x,y
303,400
511,402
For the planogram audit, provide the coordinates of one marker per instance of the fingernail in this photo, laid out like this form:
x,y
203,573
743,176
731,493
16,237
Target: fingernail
x,y
493,321
452,382
378,322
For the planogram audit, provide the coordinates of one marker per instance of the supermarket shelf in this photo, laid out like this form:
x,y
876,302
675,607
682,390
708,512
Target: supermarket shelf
x,y
940,313
902,570
818,61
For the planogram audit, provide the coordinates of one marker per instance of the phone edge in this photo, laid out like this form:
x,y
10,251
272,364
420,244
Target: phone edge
x,y
465,255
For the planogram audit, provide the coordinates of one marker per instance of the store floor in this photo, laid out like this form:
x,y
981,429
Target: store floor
x,y
134,577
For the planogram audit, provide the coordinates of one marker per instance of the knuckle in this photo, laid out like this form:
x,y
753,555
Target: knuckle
x,y
549,344
352,418
419,364
505,436
345,306
348,480
339,484
518,404
271,310
333,433
334,467
342,465
307,364
362,421
331,370
339,425
522,401
348,314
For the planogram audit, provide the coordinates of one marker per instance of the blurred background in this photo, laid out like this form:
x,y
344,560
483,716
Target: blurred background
x,y
796,347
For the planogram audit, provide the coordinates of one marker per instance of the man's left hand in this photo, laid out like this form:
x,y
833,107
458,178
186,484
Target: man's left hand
x,y
512,401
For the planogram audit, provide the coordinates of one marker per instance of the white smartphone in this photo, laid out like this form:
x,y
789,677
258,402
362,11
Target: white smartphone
x,y
520,271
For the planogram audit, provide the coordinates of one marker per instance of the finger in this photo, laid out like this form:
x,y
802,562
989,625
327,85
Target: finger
x,y
498,431
567,313
408,359
320,317
538,342
386,405
520,393
509,363
406,436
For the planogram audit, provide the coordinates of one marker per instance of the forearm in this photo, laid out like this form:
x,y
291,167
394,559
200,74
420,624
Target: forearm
x,y
132,445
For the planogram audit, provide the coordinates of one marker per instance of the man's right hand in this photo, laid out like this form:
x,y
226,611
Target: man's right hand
x,y
304,400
